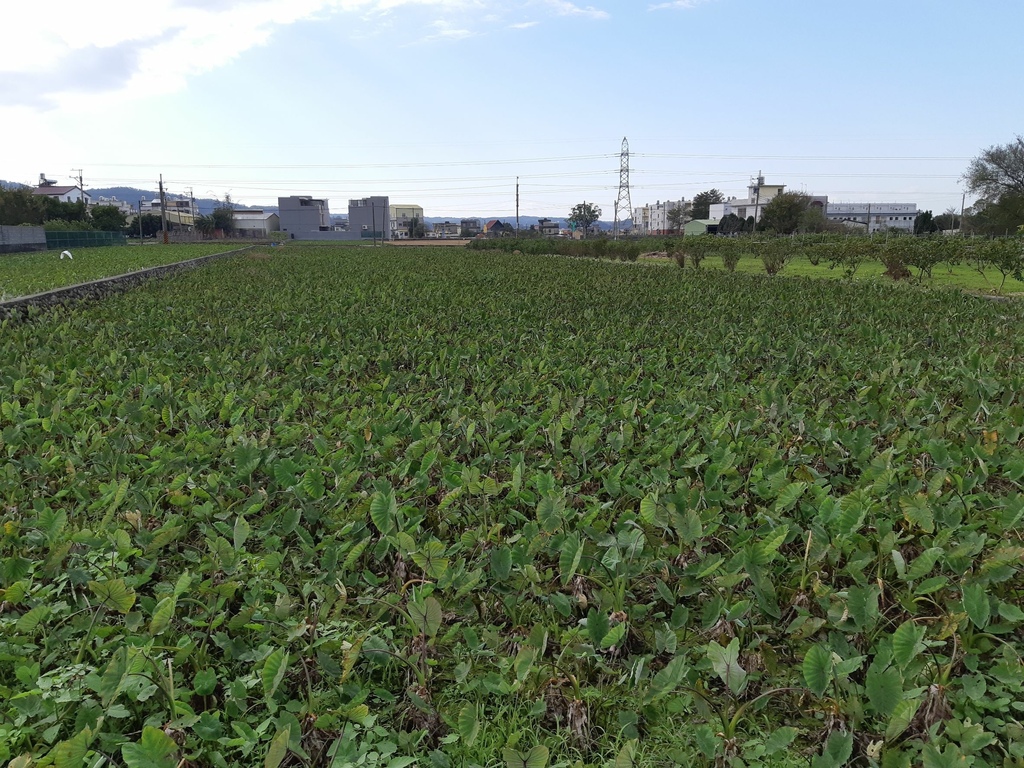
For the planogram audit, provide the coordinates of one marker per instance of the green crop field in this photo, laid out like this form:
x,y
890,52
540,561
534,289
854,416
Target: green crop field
x,y
385,507
22,274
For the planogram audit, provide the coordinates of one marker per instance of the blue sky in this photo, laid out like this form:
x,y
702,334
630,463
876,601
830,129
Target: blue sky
x,y
444,103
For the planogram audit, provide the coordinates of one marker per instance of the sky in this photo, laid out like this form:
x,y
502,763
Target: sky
x,y
444,103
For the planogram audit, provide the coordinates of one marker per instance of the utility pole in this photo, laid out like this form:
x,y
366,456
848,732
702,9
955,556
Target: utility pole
x,y
163,211
622,202
963,206
76,173
517,207
192,207
757,197
373,222
140,219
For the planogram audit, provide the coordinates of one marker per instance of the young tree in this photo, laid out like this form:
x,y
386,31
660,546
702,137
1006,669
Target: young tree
x,y
783,213
416,228
584,215
108,218
702,202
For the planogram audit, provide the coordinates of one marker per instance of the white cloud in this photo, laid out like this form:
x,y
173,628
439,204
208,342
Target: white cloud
x,y
677,4
66,52
566,8
445,30
524,25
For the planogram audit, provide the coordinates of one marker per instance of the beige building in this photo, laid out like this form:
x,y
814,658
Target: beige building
x,y
401,218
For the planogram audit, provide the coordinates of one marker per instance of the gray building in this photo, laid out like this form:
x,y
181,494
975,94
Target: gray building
x,y
302,214
370,217
874,217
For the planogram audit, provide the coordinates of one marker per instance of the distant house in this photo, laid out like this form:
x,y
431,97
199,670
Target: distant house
x,y
402,217
470,227
547,227
183,212
302,214
122,205
256,223
63,194
654,219
447,230
497,228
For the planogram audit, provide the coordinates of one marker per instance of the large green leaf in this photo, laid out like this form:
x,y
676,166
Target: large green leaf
x,y
817,669
907,642
537,757
162,615
884,688
726,663
426,616
569,558
976,603
274,669
469,724
154,750
278,749
384,512
113,594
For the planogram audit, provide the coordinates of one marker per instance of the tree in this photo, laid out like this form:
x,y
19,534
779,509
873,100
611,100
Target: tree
x,y
702,202
223,218
924,223
1001,217
150,225
731,225
949,220
997,171
204,225
784,212
678,216
416,228
584,215
108,218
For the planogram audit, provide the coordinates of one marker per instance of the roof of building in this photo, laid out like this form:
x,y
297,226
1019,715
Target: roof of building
x,y
260,215
52,191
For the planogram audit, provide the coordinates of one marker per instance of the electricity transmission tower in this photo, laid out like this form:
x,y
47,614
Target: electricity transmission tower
x,y
622,203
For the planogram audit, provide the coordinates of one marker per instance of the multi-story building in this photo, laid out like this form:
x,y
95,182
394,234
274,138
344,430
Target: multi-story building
x,y
302,214
547,227
370,217
402,217
654,219
470,227
875,217
759,194
122,205
180,212
446,230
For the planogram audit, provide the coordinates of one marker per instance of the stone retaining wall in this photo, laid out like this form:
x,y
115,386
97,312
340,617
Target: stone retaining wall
x,y
97,289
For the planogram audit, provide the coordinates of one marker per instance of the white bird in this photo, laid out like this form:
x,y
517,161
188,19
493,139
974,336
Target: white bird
x,y
66,253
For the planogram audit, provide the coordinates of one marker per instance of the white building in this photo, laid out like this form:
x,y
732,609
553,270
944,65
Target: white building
x,y
653,219
122,205
876,217
758,195
64,194
256,223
